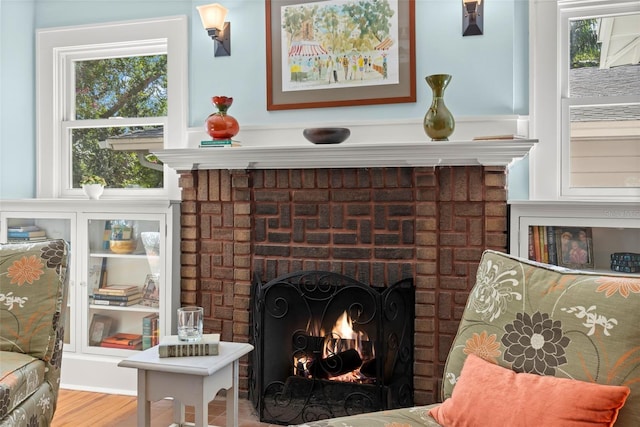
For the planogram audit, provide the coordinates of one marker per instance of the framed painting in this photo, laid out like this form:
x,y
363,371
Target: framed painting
x,y
151,291
574,247
338,53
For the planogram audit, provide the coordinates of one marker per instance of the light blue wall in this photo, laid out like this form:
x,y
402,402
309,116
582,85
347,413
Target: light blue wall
x,y
17,89
490,72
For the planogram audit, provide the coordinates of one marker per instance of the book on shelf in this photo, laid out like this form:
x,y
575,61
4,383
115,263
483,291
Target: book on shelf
x,y
17,228
537,252
149,330
111,297
123,340
137,346
117,290
220,143
171,346
26,234
543,244
532,251
25,239
155,331
114,303
497,137
551,244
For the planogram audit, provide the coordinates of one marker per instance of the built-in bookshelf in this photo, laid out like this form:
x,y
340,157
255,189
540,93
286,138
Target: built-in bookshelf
x,y
124,279
602,236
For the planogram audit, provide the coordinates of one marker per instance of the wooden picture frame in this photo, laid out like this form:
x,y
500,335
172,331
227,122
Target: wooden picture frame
x,y
574,246
151,291
387,76
99,329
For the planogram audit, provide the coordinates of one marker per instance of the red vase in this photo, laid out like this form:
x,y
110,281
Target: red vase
x,y
220,125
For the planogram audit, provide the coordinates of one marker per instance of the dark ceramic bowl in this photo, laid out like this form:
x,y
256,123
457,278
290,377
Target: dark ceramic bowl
x,y
326,135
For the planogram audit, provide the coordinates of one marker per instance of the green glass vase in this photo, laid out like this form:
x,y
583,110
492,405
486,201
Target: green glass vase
x,y
438,122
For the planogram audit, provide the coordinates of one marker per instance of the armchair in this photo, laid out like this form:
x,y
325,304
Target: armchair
x,y
33,292
556,347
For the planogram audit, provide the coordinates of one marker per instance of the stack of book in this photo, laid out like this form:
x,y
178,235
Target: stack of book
x,y
219,143
171,346
150,331
117,295
25,233
123,341
625,262
542,244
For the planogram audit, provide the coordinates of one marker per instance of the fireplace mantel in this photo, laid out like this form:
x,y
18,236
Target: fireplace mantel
x,y
358,155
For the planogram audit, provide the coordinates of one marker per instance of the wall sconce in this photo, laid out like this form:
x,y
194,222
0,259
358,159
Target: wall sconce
x,y
472,17
212,16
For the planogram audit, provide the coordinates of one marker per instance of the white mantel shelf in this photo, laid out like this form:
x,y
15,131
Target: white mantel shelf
x,y
359,155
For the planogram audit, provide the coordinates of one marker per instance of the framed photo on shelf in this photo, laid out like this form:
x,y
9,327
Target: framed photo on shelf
x,y
574,246
97,273
312,65
99,329
151,291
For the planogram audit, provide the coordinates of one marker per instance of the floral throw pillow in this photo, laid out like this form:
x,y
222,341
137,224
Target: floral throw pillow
x,y
544,320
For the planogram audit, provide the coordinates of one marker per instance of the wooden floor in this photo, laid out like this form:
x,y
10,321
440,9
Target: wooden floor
x,y
81,408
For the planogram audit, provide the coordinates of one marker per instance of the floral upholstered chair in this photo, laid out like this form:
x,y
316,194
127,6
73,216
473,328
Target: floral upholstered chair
x,y
537,345
33,290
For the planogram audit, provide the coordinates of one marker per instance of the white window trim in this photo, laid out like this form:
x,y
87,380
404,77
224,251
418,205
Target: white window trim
x,y
56,46
548,97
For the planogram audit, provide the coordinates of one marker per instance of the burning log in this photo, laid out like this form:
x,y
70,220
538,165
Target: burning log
x,y
368,368
336,365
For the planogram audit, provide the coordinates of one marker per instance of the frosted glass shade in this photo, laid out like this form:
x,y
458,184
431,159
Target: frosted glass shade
x,y
212,15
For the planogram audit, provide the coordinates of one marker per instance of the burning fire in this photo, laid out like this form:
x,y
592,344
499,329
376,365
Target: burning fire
x,y
343,353
343,337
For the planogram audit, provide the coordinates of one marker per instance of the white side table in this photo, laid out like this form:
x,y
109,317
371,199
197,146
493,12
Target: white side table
x,y
189,380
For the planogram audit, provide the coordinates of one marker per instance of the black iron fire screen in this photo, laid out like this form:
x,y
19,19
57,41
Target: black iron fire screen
x,y
327,345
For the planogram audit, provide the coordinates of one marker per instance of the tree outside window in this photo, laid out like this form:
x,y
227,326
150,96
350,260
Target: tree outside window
x,y
106,92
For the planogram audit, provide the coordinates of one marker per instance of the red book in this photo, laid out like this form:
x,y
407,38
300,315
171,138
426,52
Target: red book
x,y
122,339
125,347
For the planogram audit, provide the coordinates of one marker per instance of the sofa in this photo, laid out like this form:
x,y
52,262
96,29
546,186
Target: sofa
x,y
33,292
537,345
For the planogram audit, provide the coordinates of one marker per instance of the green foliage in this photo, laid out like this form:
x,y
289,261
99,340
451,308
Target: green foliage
x,y
334,26
111,88
372,18
92,179
584,47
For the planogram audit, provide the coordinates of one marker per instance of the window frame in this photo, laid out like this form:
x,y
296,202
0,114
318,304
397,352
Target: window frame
x,y
57,49
549,58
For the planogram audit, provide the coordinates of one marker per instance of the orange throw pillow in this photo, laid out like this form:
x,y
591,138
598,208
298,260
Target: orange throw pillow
x,y
489,395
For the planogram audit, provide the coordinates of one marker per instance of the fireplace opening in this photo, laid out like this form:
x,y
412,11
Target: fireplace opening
x,y
327,345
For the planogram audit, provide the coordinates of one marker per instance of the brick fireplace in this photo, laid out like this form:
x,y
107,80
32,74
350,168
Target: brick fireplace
x,y
371,211
375,224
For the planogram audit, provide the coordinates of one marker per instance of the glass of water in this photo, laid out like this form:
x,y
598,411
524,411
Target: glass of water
x,y
190,323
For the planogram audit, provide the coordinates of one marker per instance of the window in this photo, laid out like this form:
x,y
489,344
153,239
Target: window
x,y
589,70
601,104
113,100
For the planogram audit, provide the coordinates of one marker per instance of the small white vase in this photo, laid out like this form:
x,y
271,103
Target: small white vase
x,y
93,191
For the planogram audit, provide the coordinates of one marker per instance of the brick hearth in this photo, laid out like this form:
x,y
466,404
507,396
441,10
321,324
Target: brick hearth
x,y
374,224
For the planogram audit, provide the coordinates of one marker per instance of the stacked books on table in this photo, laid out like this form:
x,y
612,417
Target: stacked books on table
x,y
625,262
171,346
117,295
219,143
25,233
124,341
150,331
